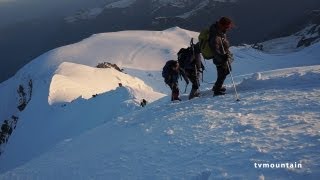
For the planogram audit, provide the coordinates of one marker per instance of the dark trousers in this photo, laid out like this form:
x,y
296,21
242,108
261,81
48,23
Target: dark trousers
x,y
175,91
222,72
193,76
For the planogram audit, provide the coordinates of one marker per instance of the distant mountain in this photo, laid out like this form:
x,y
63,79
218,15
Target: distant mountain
x,y
14,11
256,21
269,18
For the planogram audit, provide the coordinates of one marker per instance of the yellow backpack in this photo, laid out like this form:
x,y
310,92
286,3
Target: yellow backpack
x,y
204,44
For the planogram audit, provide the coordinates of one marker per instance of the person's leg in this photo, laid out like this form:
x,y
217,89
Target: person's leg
x,y
175,92
220,77
222,72
194,79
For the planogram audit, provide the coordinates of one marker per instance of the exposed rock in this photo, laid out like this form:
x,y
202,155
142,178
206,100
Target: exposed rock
x,y
109,65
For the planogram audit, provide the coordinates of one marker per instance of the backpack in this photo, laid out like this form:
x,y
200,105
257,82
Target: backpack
x,y
166,68
184,55
204,44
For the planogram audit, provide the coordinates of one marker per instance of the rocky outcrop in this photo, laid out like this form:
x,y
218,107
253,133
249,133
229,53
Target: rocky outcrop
x,y
10,124
109,65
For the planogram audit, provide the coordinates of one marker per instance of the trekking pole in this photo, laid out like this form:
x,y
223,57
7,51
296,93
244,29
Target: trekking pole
x,y
234,85
235,89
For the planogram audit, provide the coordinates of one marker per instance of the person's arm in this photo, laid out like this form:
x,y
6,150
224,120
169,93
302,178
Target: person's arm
x,y
216,47
226,45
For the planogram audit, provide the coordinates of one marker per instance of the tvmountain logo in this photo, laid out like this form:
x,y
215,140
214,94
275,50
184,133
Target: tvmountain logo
x,y
294,165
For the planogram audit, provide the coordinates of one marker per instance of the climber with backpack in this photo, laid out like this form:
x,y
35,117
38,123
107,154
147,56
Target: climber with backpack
x,y
190,61
215,45
171,73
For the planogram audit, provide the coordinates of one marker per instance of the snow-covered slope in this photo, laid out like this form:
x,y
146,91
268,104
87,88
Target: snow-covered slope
x,y
64,104
66,133
206,138
41,126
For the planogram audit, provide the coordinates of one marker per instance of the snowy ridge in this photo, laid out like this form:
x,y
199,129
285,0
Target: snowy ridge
x,y
129,49
72,81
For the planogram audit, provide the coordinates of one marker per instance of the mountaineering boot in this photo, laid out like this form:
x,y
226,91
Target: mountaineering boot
x,y
175,99
218,93
175,96
223,89
194,93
